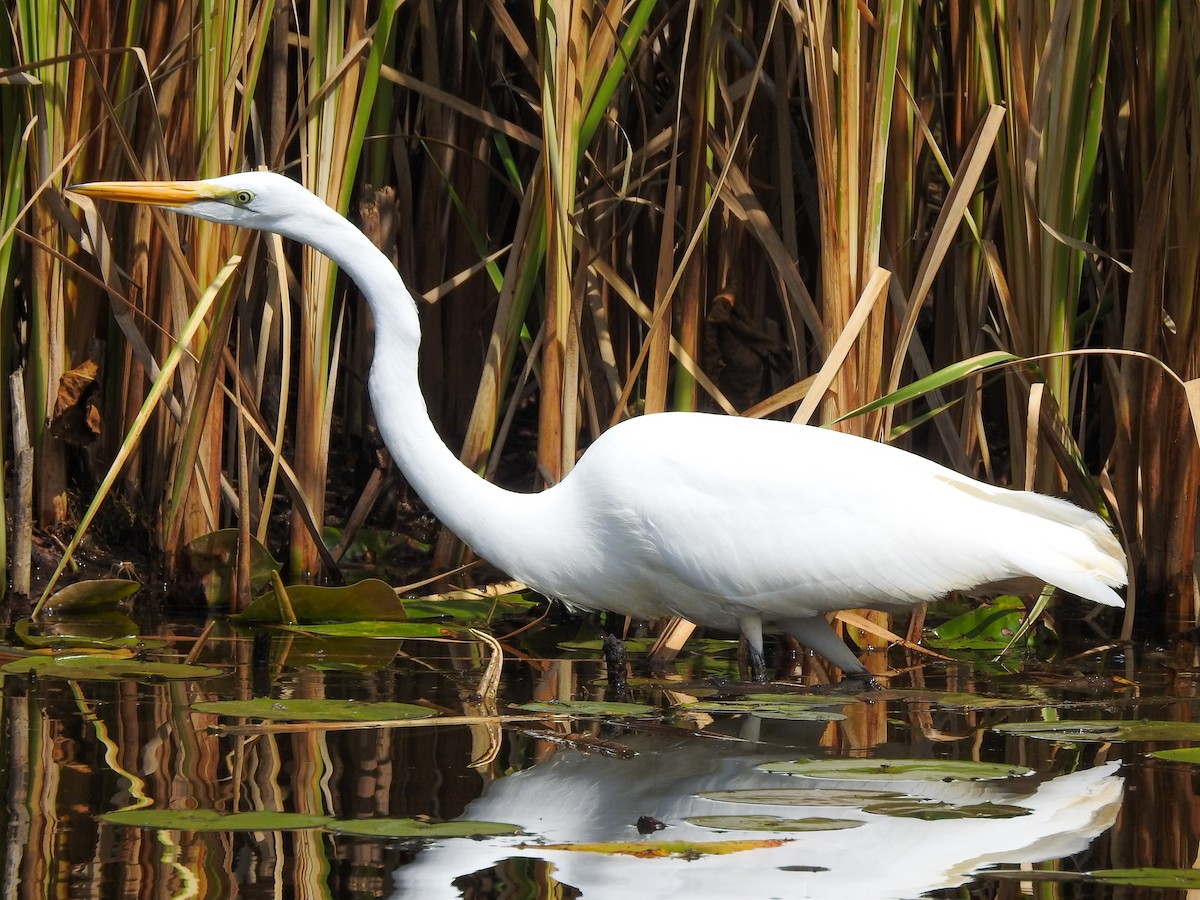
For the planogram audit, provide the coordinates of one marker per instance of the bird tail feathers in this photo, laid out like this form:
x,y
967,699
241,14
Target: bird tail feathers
x,y
1063,545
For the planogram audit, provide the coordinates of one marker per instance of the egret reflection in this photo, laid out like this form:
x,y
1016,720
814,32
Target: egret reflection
x,y
578,798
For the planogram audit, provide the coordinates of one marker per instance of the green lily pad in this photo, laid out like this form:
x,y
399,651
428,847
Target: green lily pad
x,y
1150,877
978,701
796,712
363,601
914,808
661,849
374,630
1100,730
95,594
211,820
1186,755
588,708
484,609
100,629
105,668
334,654
897,769
773,823
814,700
214,557
415,828
801,797
313,710
1147,877
641,645
988,627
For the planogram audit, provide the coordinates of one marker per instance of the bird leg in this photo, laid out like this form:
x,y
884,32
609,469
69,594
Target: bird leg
x,y
617,664
752,631
815,633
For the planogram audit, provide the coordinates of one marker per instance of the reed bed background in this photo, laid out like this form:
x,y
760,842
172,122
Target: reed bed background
x,y
791,209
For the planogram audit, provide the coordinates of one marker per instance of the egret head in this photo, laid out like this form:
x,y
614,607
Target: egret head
x,y
265,201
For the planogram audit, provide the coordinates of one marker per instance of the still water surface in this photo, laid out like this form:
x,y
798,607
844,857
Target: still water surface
x,y
653,804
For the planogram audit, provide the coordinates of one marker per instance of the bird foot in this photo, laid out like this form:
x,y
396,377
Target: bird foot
x,y
758,665
617,664
854,684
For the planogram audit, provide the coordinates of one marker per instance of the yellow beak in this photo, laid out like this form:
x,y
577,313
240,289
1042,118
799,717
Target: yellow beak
x,y
156,193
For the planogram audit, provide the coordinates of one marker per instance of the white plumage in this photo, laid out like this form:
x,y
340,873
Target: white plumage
x,y
733,523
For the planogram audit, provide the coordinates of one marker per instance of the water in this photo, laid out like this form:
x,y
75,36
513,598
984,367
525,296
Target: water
x,y
74,750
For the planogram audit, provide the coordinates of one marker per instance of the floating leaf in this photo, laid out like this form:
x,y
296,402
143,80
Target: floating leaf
x,y
95,594
801,797
774,709
641,645
897,769
816,700
335,654
211,820
1147,877
1186,755
988,627
100,628
483,609
1073,730
363,601
588,708
1150,877
913,808
773,823
415,828
214,557
659,849
313,710
373,630
92,668
978,701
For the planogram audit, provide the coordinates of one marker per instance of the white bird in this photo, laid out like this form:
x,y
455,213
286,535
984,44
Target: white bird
x,y
732,523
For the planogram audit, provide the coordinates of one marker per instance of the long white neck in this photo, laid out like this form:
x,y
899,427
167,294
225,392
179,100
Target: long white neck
x,y
487,517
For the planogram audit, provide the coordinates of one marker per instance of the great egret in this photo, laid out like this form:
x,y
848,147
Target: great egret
x,y
736,524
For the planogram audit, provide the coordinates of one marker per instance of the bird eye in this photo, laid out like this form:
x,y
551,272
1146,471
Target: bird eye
x,y
243,197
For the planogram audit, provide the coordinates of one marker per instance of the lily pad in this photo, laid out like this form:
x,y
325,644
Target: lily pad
x,y
988,627
95,594
588,708
334,654
415,828
1186,755
1150,877
374,630
1147,877
978,701
363,601
815,700
897,769
313,710
98,628
774,709
1101,730
214,556
484,609
106,668
211,820
914,808
774,823
660,849
801,797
